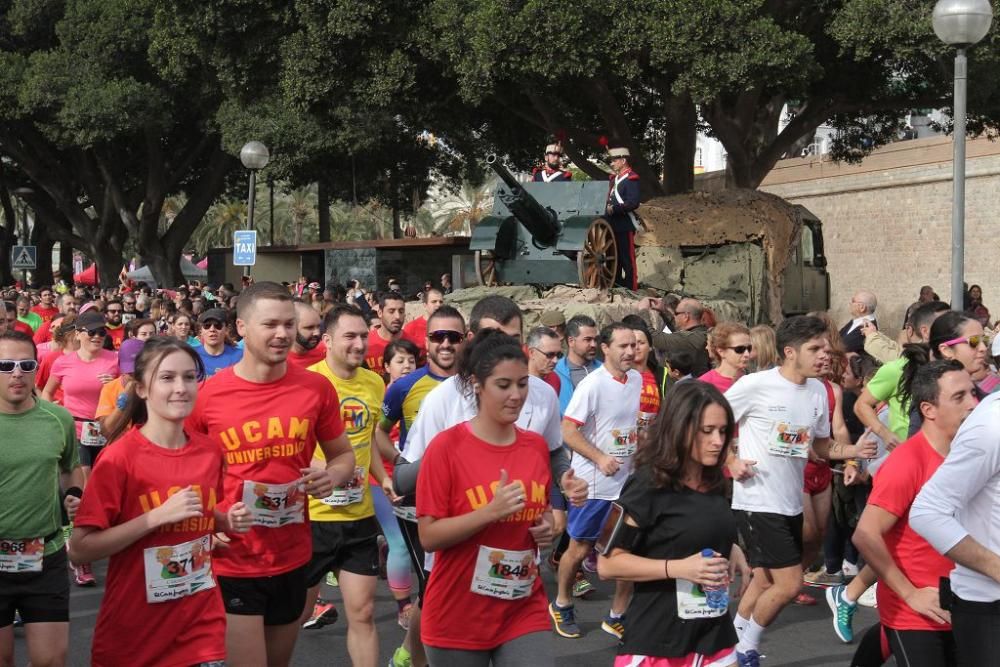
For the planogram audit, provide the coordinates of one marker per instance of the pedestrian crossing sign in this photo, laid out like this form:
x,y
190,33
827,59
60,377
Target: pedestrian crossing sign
x,y
23,257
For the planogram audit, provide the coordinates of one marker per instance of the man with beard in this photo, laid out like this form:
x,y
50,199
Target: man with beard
x,y
580,359
344,529
116,330
46,308
308,348
392,313
67,304
553,169
214,351
415,330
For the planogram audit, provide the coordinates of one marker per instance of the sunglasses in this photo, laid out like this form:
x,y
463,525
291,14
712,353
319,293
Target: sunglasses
x,y
741,349
112,311
93,333
452,337
549,355
212,324
973,341
25,365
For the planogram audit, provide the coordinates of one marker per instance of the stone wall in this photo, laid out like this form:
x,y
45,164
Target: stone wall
x,y
374,266
887,221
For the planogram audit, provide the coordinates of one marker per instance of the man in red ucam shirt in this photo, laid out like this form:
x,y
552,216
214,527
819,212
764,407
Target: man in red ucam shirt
x,y
266,415
908,567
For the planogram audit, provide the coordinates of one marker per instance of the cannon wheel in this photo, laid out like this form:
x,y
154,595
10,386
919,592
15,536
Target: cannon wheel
x,y
486,268
597,263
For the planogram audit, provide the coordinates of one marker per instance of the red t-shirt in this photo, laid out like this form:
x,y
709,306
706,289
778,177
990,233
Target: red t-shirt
x,y
552,379
24,328
310,357
117,335
456,475
415,331
44,333
897,484
649,400
267,432
131,477
45,370
375,357
718,380
45,313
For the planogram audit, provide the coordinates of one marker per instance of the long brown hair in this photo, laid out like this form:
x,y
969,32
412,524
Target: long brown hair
x,y
666,452
154,351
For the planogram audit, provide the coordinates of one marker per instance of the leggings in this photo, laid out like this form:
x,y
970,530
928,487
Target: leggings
x,y
534,648
398,562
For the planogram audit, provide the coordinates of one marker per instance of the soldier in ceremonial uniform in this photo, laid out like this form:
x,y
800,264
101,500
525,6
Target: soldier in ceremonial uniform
x,y
552,171
623,199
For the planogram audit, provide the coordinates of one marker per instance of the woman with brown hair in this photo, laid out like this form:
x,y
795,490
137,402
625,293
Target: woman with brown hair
x,y
730,347
676,537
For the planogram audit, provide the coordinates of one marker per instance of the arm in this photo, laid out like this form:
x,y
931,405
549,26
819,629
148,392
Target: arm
x,y
881,347
442,533
973,555
382,441
576,442
48,394
629,190
826,448
864,408
840,432
340,461
869,538
626,566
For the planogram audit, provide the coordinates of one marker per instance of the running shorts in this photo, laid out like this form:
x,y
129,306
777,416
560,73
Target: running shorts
x,y
818,478
584,524
343,545
280,599
771,540
41,597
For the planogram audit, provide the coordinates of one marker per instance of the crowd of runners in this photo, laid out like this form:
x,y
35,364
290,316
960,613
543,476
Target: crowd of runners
x,y
229,452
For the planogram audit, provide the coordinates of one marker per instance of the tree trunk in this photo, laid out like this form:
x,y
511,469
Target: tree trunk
x,y
109,264
66,261
680,145
166,267
43,247
7,232
323,195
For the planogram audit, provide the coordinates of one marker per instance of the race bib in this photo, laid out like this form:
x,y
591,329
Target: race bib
x,y
90,434
620,443
177,571
789,440
275,505
503,574
21,555
353,492
692,602
405,513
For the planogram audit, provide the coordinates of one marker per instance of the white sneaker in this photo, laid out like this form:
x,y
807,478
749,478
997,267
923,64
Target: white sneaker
x,y
867,598
849,569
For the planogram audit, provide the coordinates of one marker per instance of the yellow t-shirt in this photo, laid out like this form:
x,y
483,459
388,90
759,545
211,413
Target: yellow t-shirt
x,y
360,407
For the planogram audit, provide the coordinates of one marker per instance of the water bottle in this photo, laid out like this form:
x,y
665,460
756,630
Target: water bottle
x,y
717,597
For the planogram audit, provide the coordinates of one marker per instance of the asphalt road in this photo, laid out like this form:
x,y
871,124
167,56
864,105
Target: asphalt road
x,y
802,636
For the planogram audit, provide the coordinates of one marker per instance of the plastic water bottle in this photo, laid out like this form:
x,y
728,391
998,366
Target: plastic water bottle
x,y
717,597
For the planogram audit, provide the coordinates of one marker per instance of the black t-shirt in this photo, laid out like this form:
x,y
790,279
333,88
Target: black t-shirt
x,y
674,525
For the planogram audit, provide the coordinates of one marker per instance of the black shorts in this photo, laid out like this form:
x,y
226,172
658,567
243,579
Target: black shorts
x,y
343,545
771,540
922,648
412,538
41,597
88,455
279,599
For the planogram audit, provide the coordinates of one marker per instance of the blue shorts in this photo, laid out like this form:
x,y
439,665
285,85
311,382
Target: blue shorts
x,y
556,498
584,524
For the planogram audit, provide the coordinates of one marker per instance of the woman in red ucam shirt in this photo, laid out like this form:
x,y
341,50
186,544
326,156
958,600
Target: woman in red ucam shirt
x,y
150,506
483,507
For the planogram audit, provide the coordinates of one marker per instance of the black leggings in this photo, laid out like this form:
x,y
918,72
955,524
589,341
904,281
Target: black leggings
x,y
412,538
922,648
976,627
870,651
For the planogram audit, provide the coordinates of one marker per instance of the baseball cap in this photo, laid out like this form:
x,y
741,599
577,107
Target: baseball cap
x,y
217,314
130,349
90,320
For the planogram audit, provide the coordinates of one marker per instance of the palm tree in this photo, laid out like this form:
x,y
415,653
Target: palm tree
x,y
216,229
455,212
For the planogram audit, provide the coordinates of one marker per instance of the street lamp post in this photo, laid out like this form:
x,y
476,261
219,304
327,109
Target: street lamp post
x,y
254,156
960,23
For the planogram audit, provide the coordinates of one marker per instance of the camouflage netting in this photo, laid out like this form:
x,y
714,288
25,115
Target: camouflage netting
x,y
713,219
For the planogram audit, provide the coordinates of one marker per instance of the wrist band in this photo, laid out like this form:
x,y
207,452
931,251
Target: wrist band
x,y
666,568
74,491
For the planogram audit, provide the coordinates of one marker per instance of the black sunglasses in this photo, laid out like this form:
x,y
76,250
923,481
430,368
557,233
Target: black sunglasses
x,y
99,331
550,355
443,335
213,324
740,349
26,365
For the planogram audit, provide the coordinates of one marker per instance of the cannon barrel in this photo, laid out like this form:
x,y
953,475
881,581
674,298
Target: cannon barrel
x,y
541,222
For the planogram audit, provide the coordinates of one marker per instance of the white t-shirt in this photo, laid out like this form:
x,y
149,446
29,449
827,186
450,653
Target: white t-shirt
x,y
608,412
448,404
778,422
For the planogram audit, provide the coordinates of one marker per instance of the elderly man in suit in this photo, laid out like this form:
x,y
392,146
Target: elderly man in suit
x,y
862,308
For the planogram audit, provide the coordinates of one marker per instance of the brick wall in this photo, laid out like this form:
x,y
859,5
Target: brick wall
x,y
887,222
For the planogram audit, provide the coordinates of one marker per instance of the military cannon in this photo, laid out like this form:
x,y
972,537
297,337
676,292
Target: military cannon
x,y
545,233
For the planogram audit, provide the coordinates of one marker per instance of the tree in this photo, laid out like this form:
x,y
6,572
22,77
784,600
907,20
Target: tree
x,y
101,135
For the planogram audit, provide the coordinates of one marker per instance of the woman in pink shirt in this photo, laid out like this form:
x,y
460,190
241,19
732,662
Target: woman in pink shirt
x,y
729,347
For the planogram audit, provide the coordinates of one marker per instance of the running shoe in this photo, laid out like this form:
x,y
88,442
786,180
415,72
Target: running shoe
x,y
843,613
590,562
804,600
324,614
564,619
868,598
582,586
614,626
824,578
749,659
401,658
403,616
383,558
331,580
83,575
849,569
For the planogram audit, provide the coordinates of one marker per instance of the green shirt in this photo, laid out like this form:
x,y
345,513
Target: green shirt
x,y
35,447
885,387
33,320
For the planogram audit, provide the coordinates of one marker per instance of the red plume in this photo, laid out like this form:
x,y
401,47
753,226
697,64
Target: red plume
x,y
603,140
560,135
